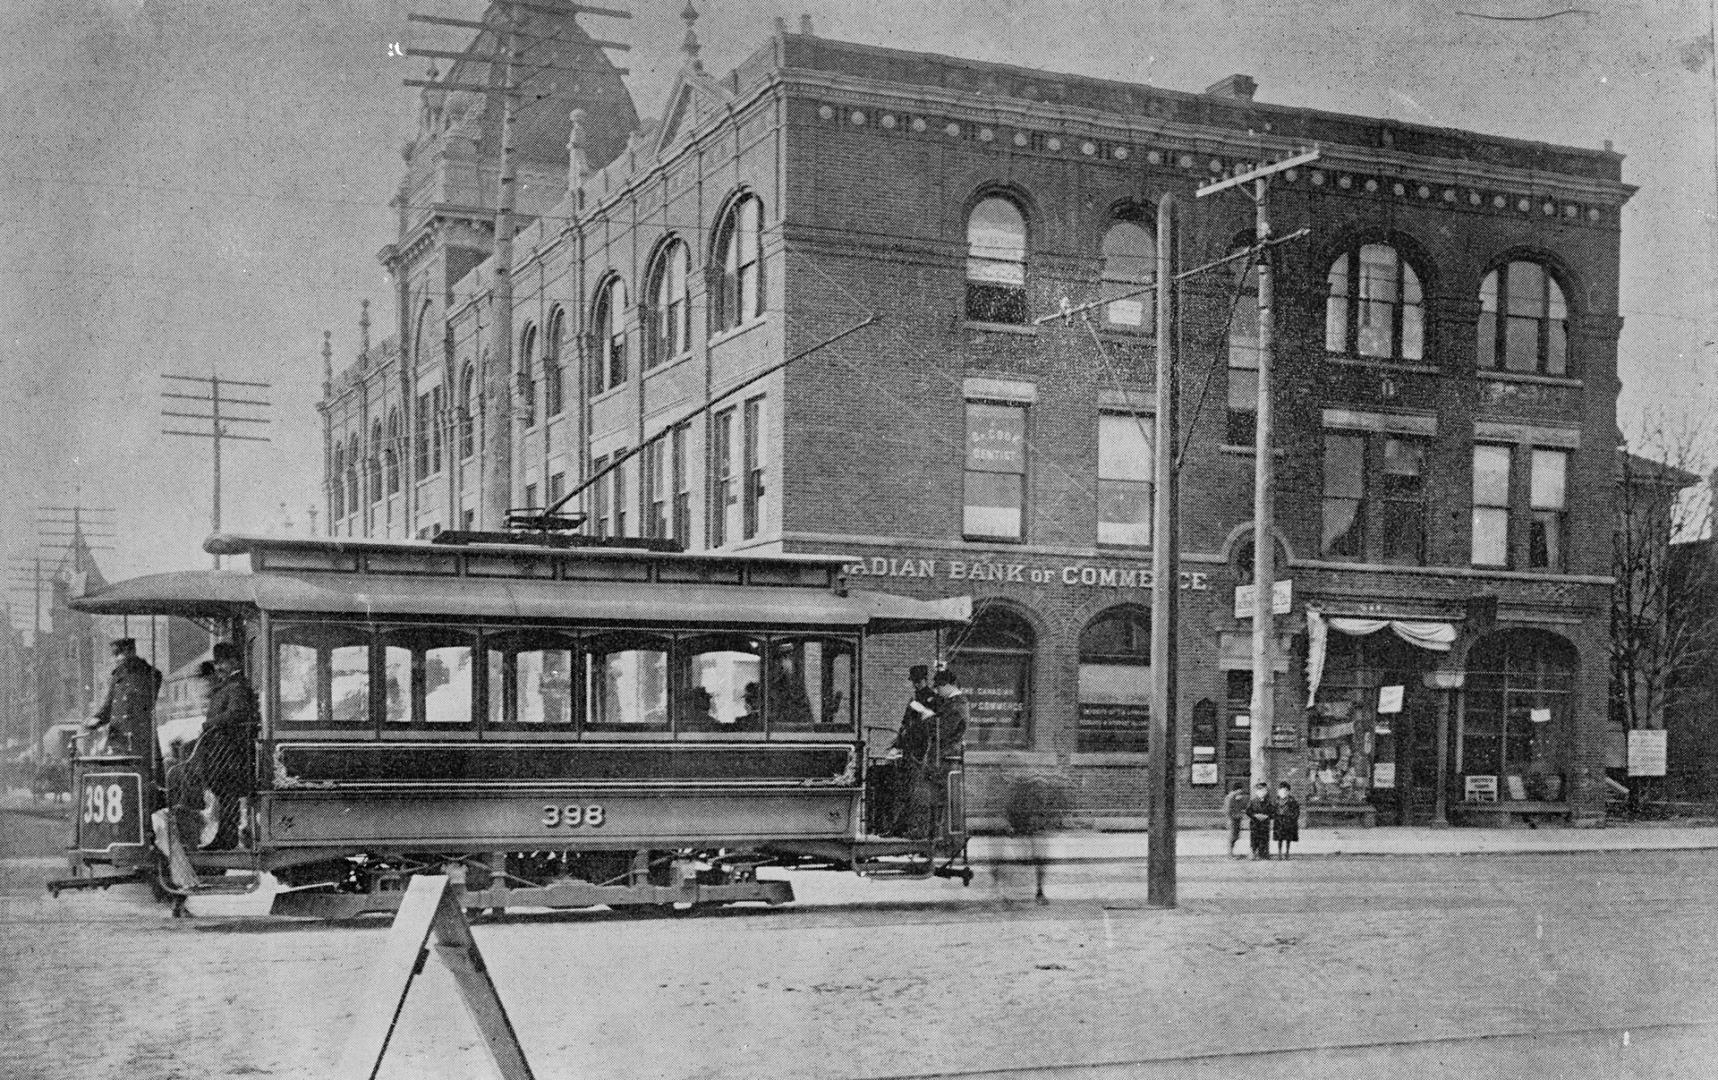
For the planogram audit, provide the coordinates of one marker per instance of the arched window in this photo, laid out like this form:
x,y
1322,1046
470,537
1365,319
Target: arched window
x,y
609,369
391,452
739,245
1532,333
1130,262
993,661
527,388
1516,713
554,348
352,460
337,483
1115,681
421,337
996,262
1243,406
670,324
467,423
1375,305
375,463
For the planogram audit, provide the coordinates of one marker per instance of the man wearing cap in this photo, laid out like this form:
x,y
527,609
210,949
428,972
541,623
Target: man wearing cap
x,y
128,714
912,740
226,748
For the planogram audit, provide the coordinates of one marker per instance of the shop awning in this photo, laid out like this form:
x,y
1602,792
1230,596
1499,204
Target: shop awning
x,y
1435,636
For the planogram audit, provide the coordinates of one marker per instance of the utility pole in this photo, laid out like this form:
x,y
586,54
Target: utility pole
x,y
1263,706
496,462
218,422
1165,564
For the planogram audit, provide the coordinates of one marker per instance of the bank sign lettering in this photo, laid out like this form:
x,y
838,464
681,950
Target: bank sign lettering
x,y
1021,573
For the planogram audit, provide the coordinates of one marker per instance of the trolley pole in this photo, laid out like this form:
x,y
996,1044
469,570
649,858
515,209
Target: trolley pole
x,y
218,422
1263,706
1165,564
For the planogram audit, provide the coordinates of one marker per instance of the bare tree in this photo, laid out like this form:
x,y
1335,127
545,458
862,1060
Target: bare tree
x,y
1664,607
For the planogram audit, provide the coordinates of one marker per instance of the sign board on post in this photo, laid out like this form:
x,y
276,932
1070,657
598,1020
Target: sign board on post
x,y
1647,753
1390,699
1282,599
1480,789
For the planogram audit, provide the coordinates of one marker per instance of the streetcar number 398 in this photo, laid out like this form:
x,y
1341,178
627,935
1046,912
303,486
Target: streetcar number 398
x,y
573,816
103,805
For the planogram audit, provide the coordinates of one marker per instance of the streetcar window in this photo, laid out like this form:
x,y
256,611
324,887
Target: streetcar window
x,y
322,675
810,683
722,680
530,678
426,676
626,681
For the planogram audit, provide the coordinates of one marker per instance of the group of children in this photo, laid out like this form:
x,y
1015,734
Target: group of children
x,y
1266,815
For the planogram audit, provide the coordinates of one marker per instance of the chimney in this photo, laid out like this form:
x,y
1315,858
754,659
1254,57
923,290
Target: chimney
x,y
1238,87
578,165
805,25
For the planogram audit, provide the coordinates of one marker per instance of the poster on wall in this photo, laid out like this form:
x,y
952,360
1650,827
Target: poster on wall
x,y
1647,753
1389,699
1204,774
1384,774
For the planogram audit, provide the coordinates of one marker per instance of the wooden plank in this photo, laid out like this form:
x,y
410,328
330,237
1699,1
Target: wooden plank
x,y
391,979
458,950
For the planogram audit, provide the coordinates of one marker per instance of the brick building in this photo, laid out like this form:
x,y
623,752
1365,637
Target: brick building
x,y
1445,399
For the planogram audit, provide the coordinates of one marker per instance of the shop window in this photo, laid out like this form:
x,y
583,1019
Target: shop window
x,y
1547,509
993,660
527,381
723,681
1126,470
751,468
530,679
427,677
1340,737
1241,421
810,684
1115,681
1130,265
467,415
1523,321
554,352
740,285
609,367
670,324
1375,308
322,675
724,505
995,505
1515,716
1491,505
626,682
996,262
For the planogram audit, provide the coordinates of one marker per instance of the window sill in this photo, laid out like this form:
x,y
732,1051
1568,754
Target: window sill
x,y
665,365
993,539
1249,451
1380,363
606,394
735,331
999,328
1530,377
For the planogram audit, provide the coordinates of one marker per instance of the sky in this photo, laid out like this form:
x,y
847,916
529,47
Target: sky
x,y
202,187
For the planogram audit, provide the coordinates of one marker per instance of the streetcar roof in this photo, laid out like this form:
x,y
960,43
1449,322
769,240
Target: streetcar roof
x,y
618,587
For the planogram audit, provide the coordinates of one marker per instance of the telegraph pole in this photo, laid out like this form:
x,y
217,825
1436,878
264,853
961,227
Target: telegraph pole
x,y
496,462
1165,564
1263,706
218,421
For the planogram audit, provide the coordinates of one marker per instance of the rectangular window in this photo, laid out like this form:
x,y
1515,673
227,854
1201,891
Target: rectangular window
x,y
1405,506
421,455
436,407
1491,506
995,471
752,468
600,512
557,487
1548,506
682,523
531,496
618,479
1344,496
721,477
654,490
1243,408
1126,469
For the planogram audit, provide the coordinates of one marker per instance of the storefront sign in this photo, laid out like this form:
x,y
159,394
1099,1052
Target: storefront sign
x,y
1647,753
1282,599
1384,774
1204,774
1389,699
1479,788
1108,577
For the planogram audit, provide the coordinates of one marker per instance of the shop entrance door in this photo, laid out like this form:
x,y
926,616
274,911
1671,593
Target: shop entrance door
x,y
1237,737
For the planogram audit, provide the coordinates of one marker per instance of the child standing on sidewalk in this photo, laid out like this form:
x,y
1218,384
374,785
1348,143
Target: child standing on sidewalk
x,y
1235,805
1261,808
1286,819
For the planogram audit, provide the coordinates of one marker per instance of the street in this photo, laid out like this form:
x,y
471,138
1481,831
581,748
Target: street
x,y
1526,965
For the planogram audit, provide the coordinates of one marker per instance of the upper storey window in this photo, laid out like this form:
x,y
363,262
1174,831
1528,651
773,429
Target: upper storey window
x,y
554,348
1375,308
739,244
670,322
1523,321
996,262
608,369
1130,263
527,388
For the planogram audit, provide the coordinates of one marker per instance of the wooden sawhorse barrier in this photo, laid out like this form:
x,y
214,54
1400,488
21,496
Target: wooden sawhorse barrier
x,y
429,906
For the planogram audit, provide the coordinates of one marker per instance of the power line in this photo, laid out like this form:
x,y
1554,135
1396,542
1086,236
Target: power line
x,y
218,422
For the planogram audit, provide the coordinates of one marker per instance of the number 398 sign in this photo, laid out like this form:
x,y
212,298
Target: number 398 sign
x,y
110,810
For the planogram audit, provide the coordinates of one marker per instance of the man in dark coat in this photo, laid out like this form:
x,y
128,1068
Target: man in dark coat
x,y
953,714
1261,810
226,749
129,711
894,779
1285,819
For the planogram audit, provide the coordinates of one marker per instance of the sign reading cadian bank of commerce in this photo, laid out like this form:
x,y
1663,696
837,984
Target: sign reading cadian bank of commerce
x,y
1110,577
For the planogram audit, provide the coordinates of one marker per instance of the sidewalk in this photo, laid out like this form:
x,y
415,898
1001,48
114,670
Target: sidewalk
x,y
1068,847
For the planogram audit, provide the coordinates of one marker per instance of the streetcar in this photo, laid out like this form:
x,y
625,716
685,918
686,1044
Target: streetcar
x,y
556,722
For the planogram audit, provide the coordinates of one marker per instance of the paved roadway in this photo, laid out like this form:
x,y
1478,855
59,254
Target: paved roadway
x,y
1584,964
